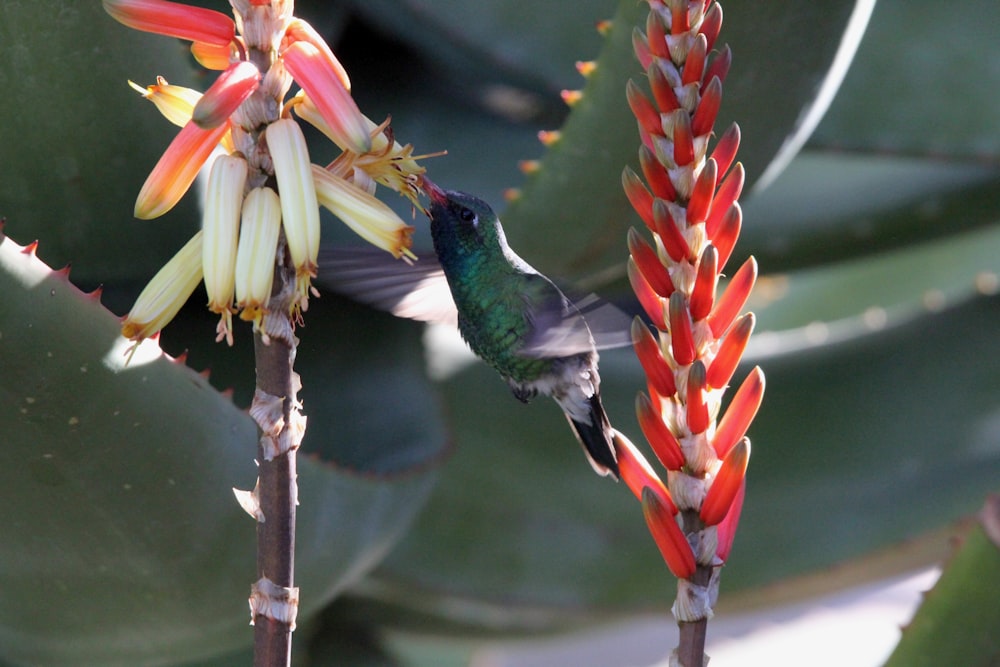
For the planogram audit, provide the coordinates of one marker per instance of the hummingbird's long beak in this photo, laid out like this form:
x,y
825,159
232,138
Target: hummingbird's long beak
x,y
435,193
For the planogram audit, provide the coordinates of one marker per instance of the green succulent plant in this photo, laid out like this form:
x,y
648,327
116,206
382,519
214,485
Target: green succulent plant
x,y
879,249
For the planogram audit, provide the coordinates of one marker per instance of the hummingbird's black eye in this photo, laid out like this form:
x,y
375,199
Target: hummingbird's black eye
x,y
467,215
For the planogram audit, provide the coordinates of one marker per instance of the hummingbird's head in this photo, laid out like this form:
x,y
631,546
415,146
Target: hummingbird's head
x,y
460,220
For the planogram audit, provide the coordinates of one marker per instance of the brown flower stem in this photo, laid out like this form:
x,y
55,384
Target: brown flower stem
x,y
690,650
277,489
691,644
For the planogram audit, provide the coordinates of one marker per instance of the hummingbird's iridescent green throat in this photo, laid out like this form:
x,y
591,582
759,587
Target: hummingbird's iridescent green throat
x,y
518,321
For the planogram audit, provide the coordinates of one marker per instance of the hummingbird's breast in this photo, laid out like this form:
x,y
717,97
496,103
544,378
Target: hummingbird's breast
x,y
491,319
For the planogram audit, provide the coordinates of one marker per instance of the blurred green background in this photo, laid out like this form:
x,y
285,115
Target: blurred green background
x,y
442,506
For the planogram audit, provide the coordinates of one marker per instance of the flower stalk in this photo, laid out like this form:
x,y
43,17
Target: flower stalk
x,y
257,250
687,199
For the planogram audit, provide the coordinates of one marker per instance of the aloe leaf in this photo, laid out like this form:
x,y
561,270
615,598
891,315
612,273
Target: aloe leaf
x,y
906,98
858,296
526,43
956,623
123,544
831,207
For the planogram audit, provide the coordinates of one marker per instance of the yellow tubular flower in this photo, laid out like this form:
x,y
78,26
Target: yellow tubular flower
x,y
174,102
255,255
367,216
221,227
299,209
306,109
169,289
391,165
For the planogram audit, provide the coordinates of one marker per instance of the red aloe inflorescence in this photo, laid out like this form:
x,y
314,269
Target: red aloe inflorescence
x,y
687,198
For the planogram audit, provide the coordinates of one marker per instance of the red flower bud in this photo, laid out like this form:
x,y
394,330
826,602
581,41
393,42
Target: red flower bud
x,y
655,174
726,485
741,411
663,91
725,197
697,410
711,25
728,306
703,293
730,352
720,65
668,536
724,238
683,140
648,262
658,435
681,337
708,108
700,203
673,241
694,65
638,196
658,371
648,299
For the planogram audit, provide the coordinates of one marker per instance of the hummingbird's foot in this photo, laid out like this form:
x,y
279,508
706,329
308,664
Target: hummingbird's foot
x,y
523,393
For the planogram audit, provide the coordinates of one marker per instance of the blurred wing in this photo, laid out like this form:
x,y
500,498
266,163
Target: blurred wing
x,y
417,291
610,326
560,327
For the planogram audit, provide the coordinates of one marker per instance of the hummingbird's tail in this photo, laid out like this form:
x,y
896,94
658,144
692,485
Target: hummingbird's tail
x,y
596,438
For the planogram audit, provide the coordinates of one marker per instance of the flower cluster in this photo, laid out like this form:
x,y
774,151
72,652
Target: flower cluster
x,y
687,199
264,189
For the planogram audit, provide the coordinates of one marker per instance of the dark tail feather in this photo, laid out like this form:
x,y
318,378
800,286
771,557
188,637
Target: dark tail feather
x,y
596,438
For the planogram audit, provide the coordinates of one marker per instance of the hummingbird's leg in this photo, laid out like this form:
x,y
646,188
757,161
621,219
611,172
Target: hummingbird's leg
x,y
521,392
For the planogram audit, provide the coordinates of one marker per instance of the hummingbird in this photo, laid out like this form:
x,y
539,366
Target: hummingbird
x,y
511,316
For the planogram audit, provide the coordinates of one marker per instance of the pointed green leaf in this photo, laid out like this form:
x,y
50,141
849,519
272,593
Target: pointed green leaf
x,y
922,83
957,621
123,543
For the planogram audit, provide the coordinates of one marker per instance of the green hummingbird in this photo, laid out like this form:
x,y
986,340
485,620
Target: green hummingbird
x,y
512,317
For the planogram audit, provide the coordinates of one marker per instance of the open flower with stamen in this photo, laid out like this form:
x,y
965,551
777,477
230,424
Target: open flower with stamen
x,y
175,102
260,52
388,163
687,198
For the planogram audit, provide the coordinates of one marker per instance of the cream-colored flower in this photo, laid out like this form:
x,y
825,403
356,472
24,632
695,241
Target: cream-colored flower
x,y
299,208
166,293
221,227
367,216
255,256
